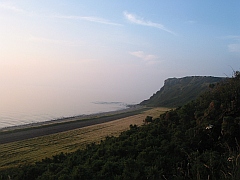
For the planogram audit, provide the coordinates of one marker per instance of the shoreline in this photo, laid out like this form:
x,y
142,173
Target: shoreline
x,y
28,131
69,119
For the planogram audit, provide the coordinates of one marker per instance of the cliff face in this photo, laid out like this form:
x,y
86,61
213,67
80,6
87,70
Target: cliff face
x,y
178,91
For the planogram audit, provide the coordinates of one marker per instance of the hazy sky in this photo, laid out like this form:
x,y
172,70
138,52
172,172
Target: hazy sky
x,y
114,50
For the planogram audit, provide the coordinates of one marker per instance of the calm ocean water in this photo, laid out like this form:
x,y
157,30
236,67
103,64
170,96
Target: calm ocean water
x,y
28,106
14,118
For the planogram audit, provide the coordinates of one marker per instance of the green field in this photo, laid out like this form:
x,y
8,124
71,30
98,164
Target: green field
x,y
32,150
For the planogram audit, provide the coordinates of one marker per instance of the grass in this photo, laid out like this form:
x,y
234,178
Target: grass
x,y
66,120
36,149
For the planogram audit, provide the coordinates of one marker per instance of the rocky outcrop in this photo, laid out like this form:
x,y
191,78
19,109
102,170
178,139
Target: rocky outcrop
x,y
179,91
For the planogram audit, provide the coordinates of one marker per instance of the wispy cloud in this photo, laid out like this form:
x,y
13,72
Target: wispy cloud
x,y
134,19
149,59
191,22
89,18
11,8
142,55
85,18
234,47
231,37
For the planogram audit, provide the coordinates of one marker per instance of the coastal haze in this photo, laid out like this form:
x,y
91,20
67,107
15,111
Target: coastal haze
x,y
61,58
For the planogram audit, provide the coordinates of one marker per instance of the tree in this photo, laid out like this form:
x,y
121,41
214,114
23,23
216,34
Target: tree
x,y
148,119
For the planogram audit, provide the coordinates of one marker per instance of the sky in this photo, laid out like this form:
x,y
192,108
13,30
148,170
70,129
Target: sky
x,y
113,50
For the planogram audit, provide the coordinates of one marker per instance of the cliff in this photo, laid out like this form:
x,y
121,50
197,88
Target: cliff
x,y
179,91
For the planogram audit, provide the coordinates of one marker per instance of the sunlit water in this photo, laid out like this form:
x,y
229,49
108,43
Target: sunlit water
x,y
26,107
15,118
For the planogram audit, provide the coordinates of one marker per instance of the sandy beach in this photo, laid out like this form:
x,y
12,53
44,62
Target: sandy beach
x,y
18,133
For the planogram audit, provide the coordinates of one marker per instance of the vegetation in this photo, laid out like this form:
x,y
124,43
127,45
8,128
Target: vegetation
x,y
179,91
199,140
36,149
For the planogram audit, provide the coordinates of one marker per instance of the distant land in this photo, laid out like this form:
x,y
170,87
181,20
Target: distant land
x,y
199,140
179,91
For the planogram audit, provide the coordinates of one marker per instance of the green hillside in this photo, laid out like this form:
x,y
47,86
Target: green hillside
x,y
199,140
179,91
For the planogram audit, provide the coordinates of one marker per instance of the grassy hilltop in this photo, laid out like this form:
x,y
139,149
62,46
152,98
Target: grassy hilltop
x,y
179,91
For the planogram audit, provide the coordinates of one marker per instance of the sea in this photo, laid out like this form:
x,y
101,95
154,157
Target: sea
x,y
33,110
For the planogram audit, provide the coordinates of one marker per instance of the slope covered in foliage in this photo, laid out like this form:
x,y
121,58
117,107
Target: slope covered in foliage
x,y
179,91
199,140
